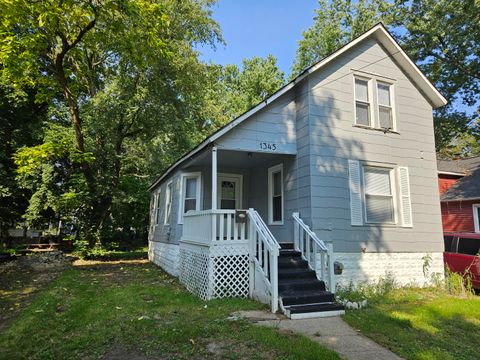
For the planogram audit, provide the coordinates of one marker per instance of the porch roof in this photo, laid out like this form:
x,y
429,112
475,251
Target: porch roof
x,y
381,34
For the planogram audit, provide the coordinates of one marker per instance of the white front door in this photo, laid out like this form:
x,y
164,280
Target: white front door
x,y
229,191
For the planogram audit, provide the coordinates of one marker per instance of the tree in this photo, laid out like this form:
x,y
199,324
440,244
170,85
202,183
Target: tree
x,y
122,69
336,22
233,90
443,37
20,125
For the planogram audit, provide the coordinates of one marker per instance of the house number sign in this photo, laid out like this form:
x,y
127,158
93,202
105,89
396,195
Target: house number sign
x,y
271,146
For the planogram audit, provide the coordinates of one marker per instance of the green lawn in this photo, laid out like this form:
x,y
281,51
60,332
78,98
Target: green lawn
x,y
103,310
422,324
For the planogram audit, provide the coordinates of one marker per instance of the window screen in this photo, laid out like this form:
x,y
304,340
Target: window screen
x,y
384,106
190,194
378,195
362,105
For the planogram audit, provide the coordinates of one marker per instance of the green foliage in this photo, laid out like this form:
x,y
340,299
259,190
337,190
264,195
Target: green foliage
x,y
124,85
232,90
20,125
443,38
336,22
367,290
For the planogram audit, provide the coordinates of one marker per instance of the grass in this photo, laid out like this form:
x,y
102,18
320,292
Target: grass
x,y
422,324
94,311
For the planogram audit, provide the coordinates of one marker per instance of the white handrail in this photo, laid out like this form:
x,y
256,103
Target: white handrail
x,y
303,237
307,229
264,253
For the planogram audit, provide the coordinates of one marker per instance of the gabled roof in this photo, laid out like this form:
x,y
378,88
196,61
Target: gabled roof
x,y
466,188
383,37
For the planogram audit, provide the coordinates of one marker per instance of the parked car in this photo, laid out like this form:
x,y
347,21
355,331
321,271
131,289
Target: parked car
x,y
462,255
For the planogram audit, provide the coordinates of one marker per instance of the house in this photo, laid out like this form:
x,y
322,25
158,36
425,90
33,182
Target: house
x,y
459,184
336,173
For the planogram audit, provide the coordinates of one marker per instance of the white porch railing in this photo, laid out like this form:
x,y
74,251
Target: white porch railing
x,y
209,226
308,243
264,253
220,246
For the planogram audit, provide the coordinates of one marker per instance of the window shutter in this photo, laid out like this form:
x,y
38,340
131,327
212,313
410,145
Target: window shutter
x,y
356,210
406,205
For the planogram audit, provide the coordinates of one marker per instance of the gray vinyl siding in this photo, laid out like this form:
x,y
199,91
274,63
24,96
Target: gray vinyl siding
x,y
274,124
168,233
334,140
313,127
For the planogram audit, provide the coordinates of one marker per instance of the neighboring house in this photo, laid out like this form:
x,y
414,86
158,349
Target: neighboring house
x,y
346,148
459,184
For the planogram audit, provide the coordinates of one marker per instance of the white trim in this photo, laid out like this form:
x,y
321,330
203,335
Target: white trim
x,y
393,195
371,118
168,196
272,170
392,106
183,177
157,213
373,81
476,220
239,196
382,35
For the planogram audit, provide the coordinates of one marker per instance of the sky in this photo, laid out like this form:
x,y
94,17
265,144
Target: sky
x,y
258,28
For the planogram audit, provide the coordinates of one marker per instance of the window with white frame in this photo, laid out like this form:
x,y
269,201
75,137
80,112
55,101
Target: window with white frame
x,y
157,220
384,98
362,102
374,102
379,194
168,203
379,200
275,195
190,194
476,217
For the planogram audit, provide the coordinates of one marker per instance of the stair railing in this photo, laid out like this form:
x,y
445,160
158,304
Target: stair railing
x,y
309,244
264,253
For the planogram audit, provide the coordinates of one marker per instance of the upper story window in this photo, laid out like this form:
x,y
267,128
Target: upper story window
x,y
385,116
374,105
190,194
362,102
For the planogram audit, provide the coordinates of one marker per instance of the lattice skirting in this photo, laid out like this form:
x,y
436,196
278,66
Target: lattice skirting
x,y
215,272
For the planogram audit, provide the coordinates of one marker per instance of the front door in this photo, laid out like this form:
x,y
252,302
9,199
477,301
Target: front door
x,y
229,191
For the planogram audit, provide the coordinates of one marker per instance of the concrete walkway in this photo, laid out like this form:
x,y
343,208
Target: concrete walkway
x,y
331,332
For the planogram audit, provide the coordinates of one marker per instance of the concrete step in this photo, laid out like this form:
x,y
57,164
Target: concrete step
x,y
314,310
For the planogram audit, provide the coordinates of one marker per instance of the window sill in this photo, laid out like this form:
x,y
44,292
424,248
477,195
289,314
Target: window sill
x,y
376,129
275,223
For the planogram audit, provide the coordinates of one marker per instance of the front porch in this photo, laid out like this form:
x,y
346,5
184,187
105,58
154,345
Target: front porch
x,y
232,238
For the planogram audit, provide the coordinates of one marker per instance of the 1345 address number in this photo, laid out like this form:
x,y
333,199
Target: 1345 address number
x,y
267,146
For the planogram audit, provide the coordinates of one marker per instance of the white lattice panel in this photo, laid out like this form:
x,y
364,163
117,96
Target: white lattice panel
x,y
230,271
194,270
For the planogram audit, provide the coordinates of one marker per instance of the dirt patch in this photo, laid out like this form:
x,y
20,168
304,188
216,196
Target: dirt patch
x,y
23,278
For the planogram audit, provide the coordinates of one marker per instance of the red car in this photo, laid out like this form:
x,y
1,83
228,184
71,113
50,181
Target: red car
x,y
462,255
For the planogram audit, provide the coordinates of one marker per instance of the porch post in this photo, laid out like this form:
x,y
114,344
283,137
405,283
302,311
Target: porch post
x,y
214,178
214,193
